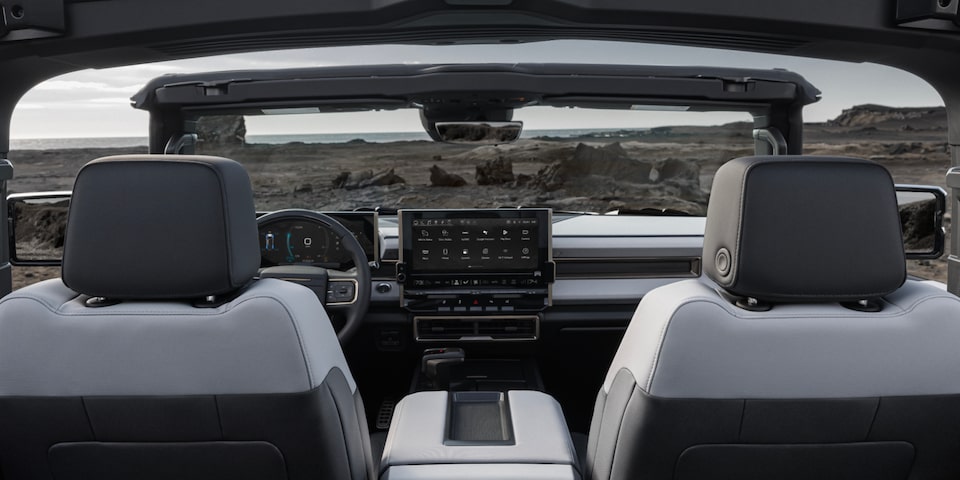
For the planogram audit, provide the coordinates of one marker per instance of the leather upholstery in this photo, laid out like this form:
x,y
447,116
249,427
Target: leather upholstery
x,y
704,388
688,341
272,338
154,387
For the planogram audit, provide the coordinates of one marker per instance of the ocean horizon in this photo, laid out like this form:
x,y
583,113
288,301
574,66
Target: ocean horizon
x,y
370,137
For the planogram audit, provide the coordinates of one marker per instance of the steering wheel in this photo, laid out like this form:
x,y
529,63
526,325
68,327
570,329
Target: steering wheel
x,y
343,292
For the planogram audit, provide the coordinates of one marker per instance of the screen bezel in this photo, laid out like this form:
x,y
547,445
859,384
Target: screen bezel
x,y
372,220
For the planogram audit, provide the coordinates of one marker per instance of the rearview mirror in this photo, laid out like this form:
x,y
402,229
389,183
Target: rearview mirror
x,y
921,218
484,133
38,223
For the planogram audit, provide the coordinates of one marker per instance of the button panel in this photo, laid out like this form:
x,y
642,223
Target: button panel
x,y
533,301
341,291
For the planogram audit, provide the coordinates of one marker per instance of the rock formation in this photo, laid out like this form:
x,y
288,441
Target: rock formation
x,y
495,172
440,178
366,178
864,115
40,230
917,221
222,130
610,161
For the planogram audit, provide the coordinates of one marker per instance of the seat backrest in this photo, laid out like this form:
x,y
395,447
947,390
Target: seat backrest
x,y
158,356
806,355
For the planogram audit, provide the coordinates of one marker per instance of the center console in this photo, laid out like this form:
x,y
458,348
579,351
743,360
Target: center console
x,y
475,275
479,435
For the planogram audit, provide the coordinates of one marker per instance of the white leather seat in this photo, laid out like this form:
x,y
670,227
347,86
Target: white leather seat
x,y
158,355
806,354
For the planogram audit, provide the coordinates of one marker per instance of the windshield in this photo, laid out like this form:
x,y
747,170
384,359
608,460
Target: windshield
x,y
571,159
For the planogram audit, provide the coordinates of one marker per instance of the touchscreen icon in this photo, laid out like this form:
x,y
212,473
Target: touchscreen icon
x,y
424,233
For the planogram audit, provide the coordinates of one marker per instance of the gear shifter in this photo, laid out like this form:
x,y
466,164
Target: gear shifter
x,y
437,363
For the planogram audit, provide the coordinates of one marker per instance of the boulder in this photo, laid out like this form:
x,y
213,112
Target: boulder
x,y
901,148
222,130
679,171
440,178
495,172
916,219
366,178
610,161
40,227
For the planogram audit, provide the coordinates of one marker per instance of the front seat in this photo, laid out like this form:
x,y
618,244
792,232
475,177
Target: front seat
x,y
158,356
808,356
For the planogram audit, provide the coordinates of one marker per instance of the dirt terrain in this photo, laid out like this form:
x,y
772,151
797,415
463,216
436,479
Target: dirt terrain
x,y
665,168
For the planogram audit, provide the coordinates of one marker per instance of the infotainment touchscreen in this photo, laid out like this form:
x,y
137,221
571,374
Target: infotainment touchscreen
x,y
475,248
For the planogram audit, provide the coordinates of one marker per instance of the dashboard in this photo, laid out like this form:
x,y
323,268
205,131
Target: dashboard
x,y
597,260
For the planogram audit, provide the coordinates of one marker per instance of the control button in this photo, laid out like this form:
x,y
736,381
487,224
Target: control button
x,y
340,291
443,309
459,309
492,308
507,308
476,309
384,287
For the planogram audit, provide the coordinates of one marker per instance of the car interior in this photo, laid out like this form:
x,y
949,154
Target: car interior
x,y
193,333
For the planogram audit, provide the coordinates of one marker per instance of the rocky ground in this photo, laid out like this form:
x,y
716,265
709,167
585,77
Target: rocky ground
x,y
669,168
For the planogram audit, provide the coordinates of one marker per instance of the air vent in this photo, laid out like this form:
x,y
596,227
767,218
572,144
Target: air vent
x,y
445,328
508,328
470,329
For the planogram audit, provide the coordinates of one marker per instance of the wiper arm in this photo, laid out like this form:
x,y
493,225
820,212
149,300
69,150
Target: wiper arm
x,y
562,212
650,212
379,209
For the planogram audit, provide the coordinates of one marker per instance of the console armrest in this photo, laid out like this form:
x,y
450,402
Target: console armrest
x,y
479,428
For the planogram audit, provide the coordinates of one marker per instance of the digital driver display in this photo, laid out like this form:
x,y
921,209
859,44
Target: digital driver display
x,y
302,241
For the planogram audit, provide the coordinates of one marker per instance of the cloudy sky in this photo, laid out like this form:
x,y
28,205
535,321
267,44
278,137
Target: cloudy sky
x,y
95,103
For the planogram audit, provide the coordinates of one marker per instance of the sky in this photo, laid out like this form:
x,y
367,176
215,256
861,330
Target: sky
x,y
96,103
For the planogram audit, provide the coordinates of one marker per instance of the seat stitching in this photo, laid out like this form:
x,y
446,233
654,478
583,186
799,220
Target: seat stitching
x,y
343,434
620,429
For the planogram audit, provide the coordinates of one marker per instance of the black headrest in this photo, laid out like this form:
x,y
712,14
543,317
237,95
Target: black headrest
x,y
800,228
160,227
